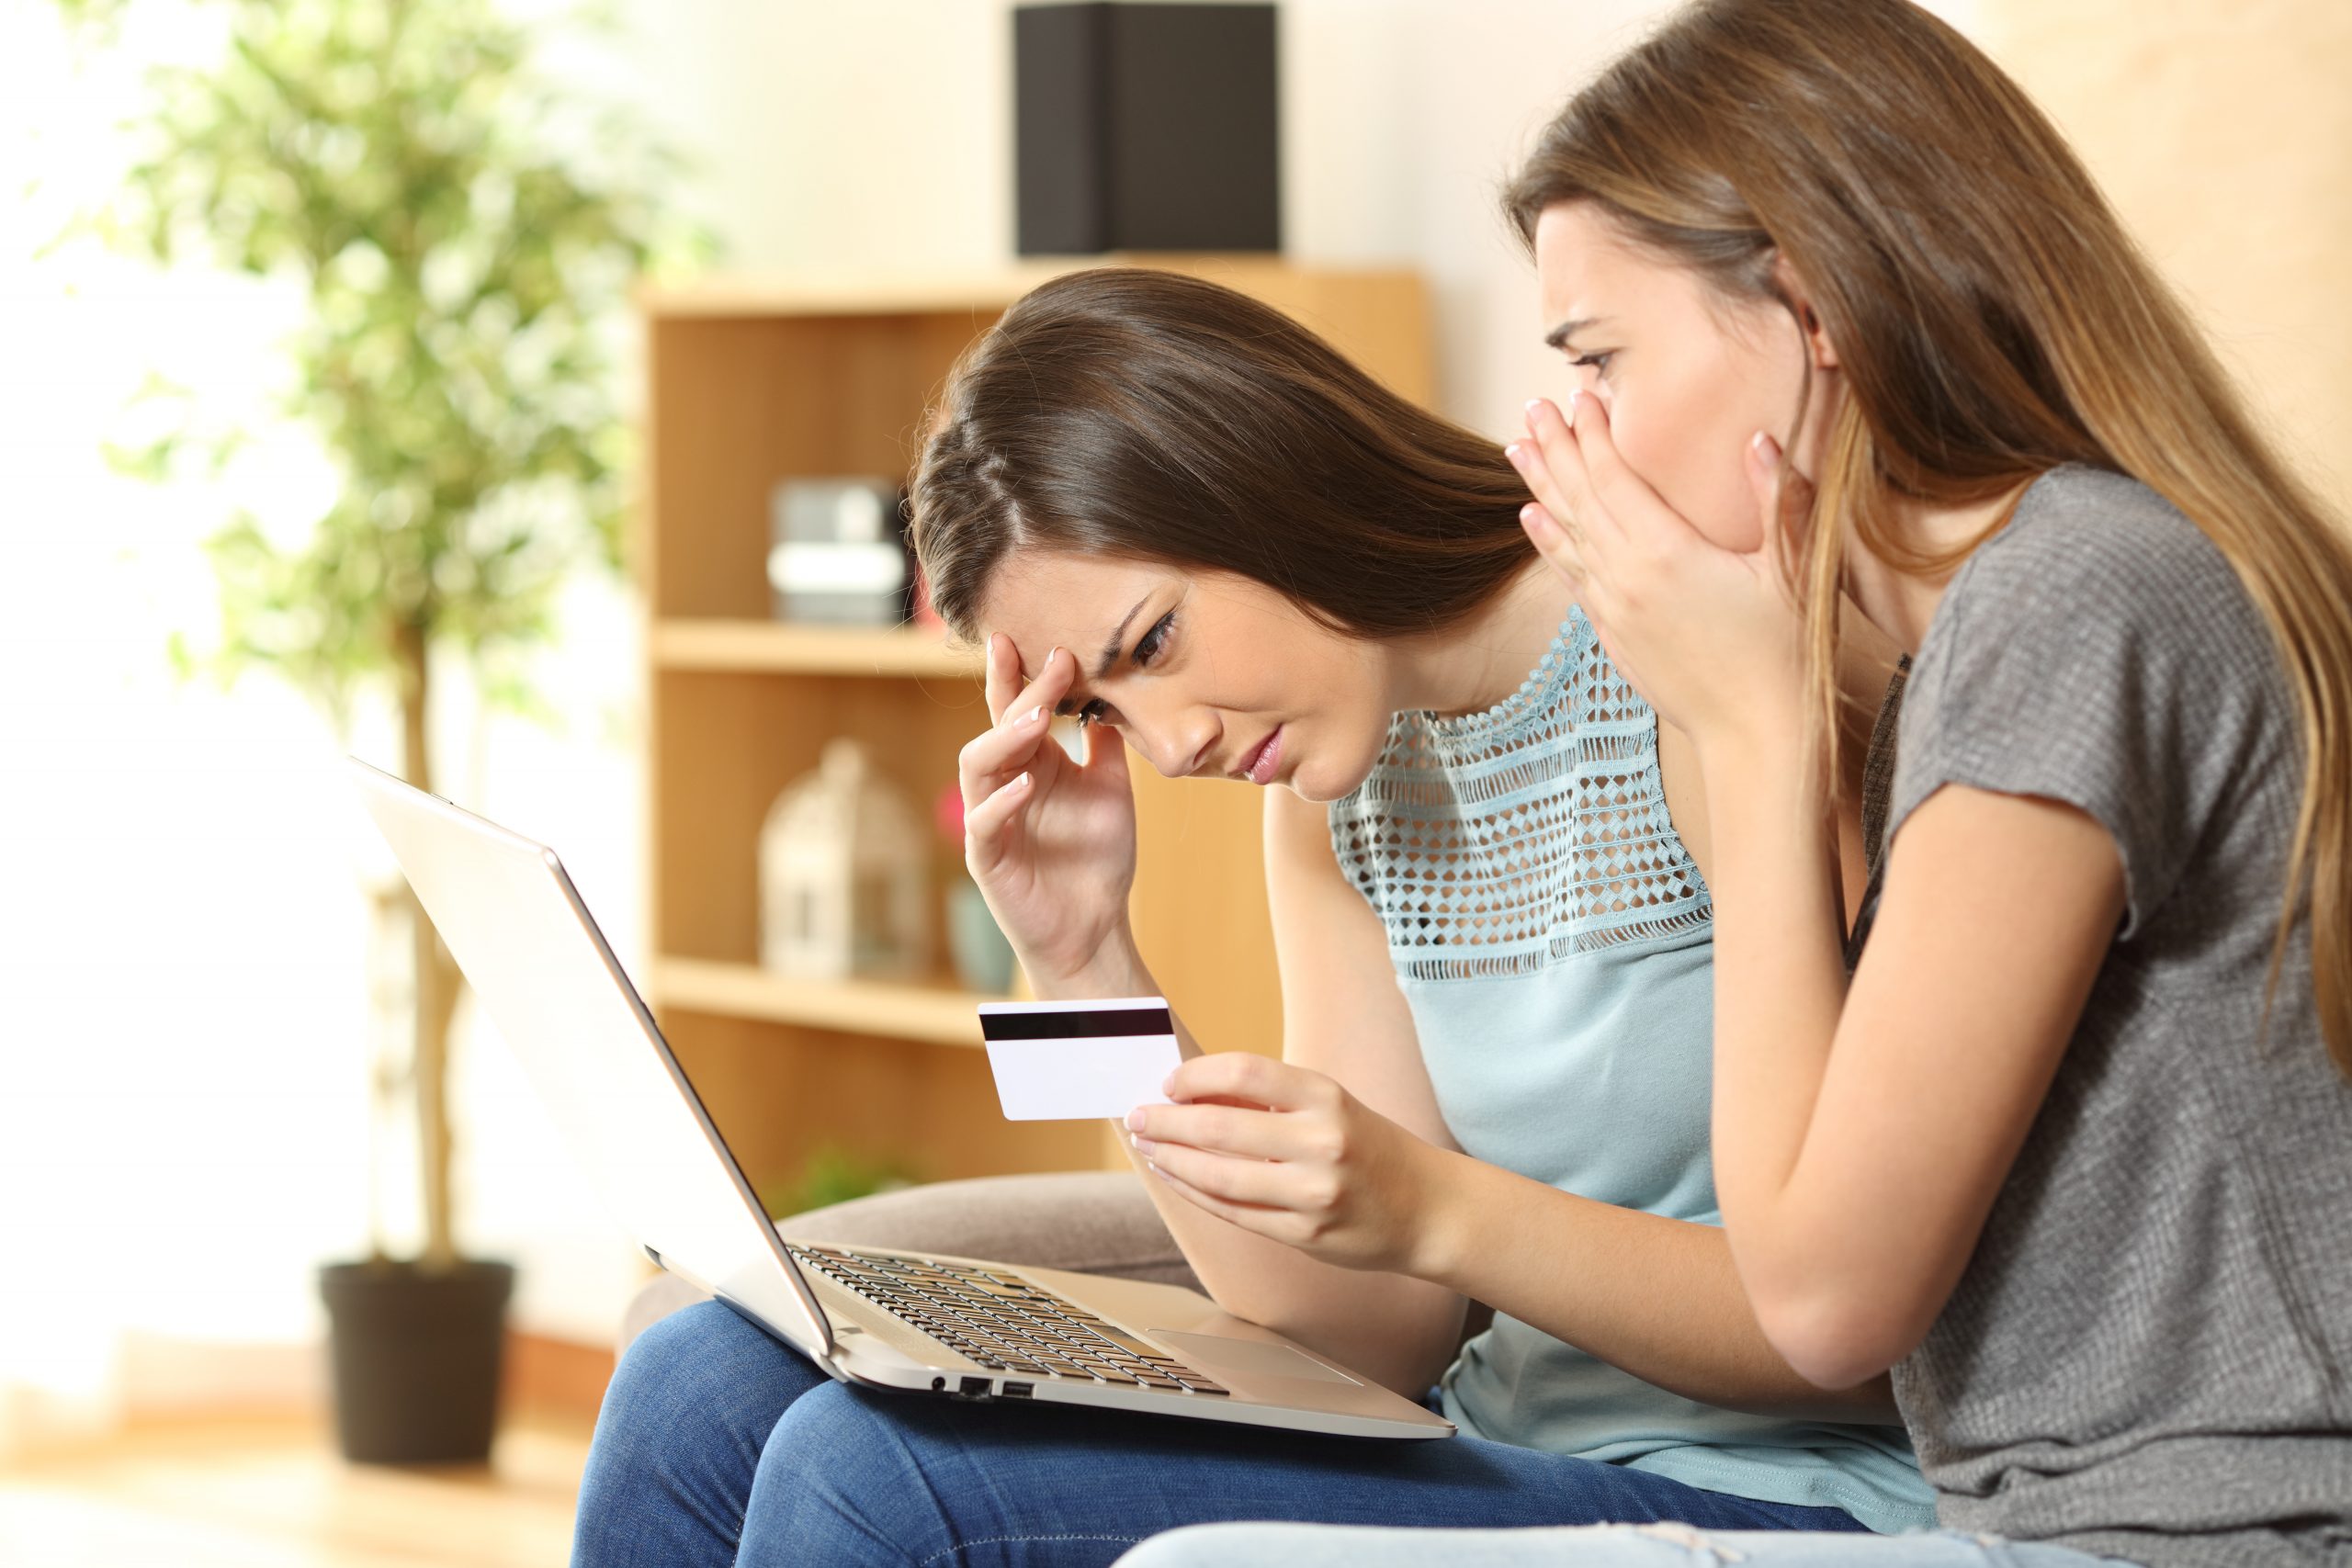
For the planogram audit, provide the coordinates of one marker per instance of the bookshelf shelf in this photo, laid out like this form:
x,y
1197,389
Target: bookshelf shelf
x,y
936,1014
725,644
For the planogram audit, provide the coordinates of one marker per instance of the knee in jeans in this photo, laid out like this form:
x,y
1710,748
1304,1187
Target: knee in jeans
x,y
701,1362
836,1436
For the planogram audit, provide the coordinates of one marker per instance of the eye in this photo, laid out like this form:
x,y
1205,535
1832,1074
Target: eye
x,y
1152,644
1597,363
1155,640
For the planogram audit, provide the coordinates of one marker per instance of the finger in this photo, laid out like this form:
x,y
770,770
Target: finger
x,y
1586,516
1571,501
1248,1217
1106,754
989,828
1528,456
1552,541
1784,496
1255,1182
1625,498
1016,742
1244,1075
1249,1134
1052,685
991,755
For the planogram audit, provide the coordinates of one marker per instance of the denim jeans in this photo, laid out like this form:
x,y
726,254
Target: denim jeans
x,y
1636,1545
718,1445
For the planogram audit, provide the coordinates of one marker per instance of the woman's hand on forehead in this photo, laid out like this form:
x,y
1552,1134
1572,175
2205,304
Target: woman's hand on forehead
x,y
1009,679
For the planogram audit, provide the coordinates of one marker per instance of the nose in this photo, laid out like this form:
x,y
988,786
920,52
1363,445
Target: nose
x,y
1176,747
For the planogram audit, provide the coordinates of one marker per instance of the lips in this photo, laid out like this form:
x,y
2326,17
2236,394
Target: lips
x,y
1258,766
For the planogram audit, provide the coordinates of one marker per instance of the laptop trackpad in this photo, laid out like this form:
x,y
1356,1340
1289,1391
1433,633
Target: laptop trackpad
x,y
1216,1353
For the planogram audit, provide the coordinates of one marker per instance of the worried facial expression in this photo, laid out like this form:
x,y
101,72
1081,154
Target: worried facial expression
x,y
1202,672
1687,376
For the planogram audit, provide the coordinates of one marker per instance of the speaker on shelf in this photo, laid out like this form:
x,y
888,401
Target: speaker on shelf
x,y
1145,127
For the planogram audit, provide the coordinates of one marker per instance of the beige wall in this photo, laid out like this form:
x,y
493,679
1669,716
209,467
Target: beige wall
x,y
876,136
2222,130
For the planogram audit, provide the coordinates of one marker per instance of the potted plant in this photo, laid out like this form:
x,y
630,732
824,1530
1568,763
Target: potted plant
x,y
464,238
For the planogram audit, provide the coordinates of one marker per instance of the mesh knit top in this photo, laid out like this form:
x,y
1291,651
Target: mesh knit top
x,y
1554,941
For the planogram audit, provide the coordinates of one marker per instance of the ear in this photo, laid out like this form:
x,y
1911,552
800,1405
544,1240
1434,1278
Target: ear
x,y
1792,287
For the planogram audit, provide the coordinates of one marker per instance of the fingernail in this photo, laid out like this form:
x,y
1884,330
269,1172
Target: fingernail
x,y
1517,454
1146,1148
1766,448
1577,400
1033,716
1057,653
1020,783
1535,406
1168,1085
1155,1170
1135,1119
1528,518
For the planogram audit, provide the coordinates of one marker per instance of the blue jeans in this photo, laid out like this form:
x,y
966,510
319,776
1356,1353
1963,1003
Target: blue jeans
x,y
1635,1546
718,1445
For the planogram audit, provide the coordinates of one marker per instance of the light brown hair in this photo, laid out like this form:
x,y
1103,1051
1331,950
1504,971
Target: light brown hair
x,y
1146,415
1992,320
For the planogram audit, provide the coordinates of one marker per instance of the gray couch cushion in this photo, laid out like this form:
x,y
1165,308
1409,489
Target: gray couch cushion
x,y
1099,1222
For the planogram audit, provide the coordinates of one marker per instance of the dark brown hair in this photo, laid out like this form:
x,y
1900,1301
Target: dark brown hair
x,y
1147,415
1993,319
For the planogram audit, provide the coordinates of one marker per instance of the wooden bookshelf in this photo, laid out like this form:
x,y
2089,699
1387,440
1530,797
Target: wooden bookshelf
x,y
939,1014
753,380
715,644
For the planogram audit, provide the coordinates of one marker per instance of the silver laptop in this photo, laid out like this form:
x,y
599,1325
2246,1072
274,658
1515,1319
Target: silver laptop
x,y
958,1327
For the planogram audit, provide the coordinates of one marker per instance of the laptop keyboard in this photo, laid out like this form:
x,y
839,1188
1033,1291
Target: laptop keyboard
x,y
1003,1321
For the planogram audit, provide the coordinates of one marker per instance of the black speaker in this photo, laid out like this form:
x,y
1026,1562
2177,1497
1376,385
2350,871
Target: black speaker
x,y
1145,127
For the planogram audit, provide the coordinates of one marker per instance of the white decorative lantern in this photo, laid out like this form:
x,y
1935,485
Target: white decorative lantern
x,y
843,888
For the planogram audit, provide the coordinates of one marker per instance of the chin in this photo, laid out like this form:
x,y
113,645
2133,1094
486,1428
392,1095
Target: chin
x,y
1313,781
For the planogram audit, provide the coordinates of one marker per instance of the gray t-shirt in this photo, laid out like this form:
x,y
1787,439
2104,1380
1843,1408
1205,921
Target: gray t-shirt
x,y
2147,1356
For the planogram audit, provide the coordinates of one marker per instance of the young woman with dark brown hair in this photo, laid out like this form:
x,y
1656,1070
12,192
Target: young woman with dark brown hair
x,y
2071,1155
1179,516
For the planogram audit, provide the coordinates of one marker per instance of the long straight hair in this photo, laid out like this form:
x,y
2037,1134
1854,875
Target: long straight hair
x,y
1143,415
1993,319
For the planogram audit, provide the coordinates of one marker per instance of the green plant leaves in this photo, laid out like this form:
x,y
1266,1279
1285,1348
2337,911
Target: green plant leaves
x,y
465,236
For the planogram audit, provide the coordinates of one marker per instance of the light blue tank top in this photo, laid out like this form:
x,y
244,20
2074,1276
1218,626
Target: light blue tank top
x,y
1554,942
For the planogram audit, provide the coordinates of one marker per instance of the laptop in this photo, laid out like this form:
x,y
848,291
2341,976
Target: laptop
x,y
952,1328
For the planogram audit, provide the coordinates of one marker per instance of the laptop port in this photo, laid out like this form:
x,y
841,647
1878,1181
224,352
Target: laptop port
x,y
1018,1390
972,1388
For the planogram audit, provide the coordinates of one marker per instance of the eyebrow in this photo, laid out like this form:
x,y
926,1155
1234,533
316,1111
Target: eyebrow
x,y
1110,654
1559,336
1118,637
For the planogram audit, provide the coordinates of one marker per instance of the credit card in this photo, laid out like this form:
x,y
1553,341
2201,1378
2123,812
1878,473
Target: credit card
x,y
1064,1061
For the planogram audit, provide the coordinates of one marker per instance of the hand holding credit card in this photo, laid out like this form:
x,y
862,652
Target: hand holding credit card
x,y
1061,1061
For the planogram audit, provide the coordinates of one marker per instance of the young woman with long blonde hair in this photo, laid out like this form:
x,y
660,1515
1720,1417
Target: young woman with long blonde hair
x,y
2071,1154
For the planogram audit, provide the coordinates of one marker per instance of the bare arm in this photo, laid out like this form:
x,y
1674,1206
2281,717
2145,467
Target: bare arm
x,y
1052,844
1342,1016
1862,1137
1655,1296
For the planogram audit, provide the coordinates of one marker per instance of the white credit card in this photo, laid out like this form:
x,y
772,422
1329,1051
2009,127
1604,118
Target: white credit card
x,y
1063,1060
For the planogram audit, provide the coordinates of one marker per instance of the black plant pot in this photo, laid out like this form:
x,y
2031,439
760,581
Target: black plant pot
x,y
416,1360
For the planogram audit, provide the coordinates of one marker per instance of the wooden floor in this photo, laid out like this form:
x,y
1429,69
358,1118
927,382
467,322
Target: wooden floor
x,y
271,1493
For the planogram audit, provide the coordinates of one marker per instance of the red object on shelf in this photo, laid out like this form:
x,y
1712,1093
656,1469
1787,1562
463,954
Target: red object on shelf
x,y
924,615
